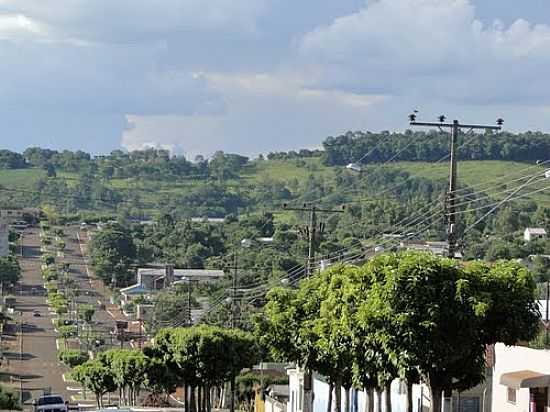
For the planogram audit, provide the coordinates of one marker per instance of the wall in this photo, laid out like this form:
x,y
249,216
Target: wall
x,y
271,405
513,359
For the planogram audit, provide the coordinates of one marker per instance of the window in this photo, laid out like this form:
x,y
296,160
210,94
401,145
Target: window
x,y
511,395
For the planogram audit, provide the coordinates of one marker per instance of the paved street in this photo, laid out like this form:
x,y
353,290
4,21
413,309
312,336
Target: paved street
x,y
39,367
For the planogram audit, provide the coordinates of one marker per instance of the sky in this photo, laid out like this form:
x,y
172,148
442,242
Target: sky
x,y
253,76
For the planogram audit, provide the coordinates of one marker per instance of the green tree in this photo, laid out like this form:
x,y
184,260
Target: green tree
x,y
161,377
438,317
10,271
96,377
112,250
8,400
86,312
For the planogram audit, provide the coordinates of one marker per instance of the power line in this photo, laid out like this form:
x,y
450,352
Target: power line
x,y
455,128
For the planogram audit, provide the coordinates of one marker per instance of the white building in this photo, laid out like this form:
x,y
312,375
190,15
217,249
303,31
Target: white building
x,y
4,238
437,248
521,379
151,280
477,399
320,388
534,233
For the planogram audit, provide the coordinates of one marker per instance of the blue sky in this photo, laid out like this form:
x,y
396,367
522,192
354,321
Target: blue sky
x,y
253,76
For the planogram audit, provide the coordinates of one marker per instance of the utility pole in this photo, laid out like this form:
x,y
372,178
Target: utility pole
x,y
455,128
234,287
189,319
21,358
313,230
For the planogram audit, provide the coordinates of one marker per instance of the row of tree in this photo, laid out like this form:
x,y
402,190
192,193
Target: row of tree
x,y
198,359
367,147
412,316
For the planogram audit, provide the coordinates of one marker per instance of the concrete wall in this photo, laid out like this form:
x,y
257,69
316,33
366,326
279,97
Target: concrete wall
x,y
271,405
514,359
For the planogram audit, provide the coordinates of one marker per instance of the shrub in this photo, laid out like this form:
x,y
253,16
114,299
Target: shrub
x,y
8,401
129,307
48,259
67,331
72,357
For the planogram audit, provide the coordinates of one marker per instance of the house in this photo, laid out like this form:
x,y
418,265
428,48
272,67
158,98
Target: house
x,y
152,279
477,399
437,248
534,233
521,379
4,238
213,220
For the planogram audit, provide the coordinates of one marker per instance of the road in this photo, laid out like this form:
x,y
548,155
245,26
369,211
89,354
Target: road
x,y
38,365
39,368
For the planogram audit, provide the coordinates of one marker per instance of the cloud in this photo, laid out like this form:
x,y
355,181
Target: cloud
x,y
264,112
258,75
434,48
16,25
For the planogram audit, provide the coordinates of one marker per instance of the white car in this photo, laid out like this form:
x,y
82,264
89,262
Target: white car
x,y
50,403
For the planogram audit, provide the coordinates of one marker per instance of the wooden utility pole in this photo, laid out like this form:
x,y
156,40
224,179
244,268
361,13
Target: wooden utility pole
x,y
314,232
313,229
455,128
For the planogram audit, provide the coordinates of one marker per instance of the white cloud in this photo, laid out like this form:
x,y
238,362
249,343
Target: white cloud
x,y
13,26
263,112
433,48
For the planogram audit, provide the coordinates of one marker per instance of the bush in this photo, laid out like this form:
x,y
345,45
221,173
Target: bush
x,y
72,357
48,259
68,331
8,401
129,307
61,245
49,274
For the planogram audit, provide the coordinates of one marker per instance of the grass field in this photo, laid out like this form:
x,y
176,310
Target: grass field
x,y
497,176
20,178
286,170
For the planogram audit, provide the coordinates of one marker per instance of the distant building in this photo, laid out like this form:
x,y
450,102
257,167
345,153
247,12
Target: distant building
x,y
534,233
4,238
151,280
437,248
14,215
215,220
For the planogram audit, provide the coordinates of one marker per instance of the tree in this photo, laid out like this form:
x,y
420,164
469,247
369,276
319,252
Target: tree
x,y
437,317
8,400
205,356
10,271
112,251
161,378
96,377
128,368
86,312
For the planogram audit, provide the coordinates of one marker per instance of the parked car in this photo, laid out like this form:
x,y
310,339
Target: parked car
x,y
50,403
20,225
36,313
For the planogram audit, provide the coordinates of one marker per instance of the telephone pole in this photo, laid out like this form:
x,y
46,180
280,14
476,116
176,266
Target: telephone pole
x,y
313,230
455,128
